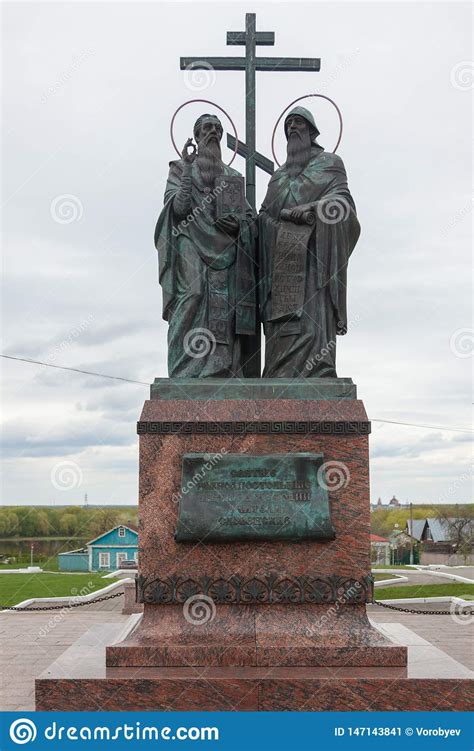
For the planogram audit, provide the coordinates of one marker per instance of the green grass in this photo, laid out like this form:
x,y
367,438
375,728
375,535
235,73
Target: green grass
x,y
394,567
455,589
51,564
383,577
15,588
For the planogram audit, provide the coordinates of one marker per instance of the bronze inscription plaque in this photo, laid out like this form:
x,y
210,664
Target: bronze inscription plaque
x,y
240,497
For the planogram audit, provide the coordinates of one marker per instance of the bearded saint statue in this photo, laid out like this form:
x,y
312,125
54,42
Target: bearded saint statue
x,y
309,207
206,264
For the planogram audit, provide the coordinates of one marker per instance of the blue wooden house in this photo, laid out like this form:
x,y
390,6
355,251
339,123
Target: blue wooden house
x,y
105,552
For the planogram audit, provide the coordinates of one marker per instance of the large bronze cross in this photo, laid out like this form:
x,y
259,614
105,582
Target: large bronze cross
x,y
250,64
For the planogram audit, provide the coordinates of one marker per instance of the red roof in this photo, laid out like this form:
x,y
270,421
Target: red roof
x,y
377,538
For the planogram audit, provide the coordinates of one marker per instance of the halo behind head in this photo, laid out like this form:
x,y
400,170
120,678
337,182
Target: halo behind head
x,y
221,109
307,96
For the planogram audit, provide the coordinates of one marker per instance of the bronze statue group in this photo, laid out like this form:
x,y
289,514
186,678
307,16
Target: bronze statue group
x,y
223,270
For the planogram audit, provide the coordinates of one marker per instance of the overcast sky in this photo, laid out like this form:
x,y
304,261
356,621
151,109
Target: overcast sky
x,y
89,91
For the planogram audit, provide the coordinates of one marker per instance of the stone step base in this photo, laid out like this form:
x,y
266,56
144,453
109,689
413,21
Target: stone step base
x,y
257,636
201,655
254,689
79,680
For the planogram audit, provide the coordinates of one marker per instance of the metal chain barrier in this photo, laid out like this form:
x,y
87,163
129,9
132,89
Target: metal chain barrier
x,y
468,609
62,607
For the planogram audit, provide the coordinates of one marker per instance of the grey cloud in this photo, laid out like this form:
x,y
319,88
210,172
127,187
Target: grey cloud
x,y
22,441
102,135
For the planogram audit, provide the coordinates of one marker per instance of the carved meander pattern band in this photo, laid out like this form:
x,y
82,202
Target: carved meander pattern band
x,y
268,589
329,427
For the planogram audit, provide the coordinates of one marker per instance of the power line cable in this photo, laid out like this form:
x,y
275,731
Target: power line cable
x,y
144,383
74,370
422,425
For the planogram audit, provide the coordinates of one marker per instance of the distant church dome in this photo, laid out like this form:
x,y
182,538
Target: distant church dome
x,y
394,502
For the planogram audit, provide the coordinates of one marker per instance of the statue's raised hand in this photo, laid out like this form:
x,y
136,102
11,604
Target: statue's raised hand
x,y
186,156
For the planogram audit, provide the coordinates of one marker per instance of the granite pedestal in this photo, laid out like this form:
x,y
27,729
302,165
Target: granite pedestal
x,y
265,602
259,621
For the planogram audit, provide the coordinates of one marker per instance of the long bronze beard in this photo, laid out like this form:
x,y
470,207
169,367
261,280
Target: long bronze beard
x,y
209,161
298,152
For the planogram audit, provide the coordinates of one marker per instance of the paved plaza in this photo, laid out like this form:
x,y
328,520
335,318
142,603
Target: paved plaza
x,y
31,641
416,576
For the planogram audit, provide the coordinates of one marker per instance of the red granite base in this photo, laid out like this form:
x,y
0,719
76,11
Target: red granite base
x,y
313,611
274,635
162,558
79,681
254,689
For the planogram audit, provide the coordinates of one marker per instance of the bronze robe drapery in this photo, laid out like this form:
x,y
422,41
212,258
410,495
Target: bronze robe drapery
x,y
208,280
304,343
